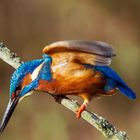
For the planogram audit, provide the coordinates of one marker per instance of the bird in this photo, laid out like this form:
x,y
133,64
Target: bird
x,y
71,67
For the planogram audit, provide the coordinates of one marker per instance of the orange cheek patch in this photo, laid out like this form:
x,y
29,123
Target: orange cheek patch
x,y
26,80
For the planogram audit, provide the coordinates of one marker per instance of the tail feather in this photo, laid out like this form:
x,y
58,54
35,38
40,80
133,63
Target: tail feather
x,y
120,84
127,91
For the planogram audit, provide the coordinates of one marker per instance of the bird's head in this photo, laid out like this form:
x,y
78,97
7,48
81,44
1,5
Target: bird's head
x,y
21,78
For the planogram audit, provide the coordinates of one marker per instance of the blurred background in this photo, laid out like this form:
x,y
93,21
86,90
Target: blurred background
x,y
26,26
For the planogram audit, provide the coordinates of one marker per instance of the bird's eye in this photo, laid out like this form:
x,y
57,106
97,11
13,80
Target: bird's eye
x,y
18,89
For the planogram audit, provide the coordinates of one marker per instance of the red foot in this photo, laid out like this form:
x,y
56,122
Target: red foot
x,y
80,110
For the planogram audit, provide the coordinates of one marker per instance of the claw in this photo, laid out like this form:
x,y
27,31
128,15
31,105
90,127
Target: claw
x,y
81,109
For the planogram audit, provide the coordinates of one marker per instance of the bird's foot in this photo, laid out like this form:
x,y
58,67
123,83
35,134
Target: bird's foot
x,y
80,110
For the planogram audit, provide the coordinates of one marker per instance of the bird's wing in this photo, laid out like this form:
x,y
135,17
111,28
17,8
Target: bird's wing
x,y
45,72
29,87
92,52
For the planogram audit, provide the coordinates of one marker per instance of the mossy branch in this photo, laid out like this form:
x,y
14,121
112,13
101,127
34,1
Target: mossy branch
x,y
100,123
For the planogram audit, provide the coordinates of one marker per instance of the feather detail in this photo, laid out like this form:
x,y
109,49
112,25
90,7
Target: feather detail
x,y
73,79
26,80
61,58
127,91
119,83
85,52
92,47
21,72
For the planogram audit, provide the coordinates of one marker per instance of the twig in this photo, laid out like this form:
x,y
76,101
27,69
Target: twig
x,y
101,124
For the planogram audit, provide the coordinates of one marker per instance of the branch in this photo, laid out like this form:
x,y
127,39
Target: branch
x,y
100,123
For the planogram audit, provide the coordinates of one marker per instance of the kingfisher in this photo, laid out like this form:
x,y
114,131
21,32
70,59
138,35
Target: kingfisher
x,y
72,67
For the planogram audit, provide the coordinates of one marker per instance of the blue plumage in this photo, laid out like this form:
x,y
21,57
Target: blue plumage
x,y
109,85
29,67
30,87
113,80
21,71
44,74
116,81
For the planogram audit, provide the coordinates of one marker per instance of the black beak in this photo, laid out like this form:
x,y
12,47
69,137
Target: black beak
x,y
8,113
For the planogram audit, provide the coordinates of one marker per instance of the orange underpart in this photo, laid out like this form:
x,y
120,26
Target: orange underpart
x,y
43,85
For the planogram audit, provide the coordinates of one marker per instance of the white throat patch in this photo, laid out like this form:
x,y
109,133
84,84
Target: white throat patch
x,y
36,72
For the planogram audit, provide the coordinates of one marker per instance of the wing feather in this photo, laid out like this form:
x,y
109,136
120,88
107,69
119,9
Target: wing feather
x,y
97,52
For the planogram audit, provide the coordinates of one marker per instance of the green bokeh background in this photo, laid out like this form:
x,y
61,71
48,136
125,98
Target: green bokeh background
x,y
26,26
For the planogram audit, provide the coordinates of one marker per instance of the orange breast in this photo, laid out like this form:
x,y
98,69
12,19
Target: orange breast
x,y
73,79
